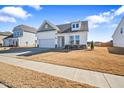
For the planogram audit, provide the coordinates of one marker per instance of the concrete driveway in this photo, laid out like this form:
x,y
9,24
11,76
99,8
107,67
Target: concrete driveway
x,y
23,51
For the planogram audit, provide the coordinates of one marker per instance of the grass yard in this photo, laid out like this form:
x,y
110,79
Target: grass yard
x,y
98,60
17,77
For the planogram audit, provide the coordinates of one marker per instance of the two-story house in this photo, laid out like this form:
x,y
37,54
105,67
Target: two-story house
x,y
23,36
51,36
2,36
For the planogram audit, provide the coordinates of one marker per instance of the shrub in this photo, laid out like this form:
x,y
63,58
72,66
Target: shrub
x,y
92,45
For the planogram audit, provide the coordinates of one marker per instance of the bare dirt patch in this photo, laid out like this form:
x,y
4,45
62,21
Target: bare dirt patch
x,y
98,60
14,76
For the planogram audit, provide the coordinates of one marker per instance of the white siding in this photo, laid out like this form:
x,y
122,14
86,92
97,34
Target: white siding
x,y
27,40
1,39
48,35
83,37
118,38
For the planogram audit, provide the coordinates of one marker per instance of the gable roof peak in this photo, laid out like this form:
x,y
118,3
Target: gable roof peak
x,y
54,27
122,19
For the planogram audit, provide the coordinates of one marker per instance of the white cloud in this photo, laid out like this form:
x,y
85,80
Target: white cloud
x,y
94,26
119,11
37,7
7,19
17,12
106,13
95,20
114,25
104,17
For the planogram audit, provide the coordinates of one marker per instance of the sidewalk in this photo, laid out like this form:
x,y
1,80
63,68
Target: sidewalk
x,y
83,76
3,86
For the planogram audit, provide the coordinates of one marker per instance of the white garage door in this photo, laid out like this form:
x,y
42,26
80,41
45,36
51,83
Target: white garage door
x,y
47,43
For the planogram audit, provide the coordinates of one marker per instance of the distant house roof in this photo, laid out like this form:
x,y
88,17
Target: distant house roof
x,y
63,28
25,28
5,33
10,36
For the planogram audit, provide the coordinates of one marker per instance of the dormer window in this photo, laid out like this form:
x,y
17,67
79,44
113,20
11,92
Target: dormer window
x,y
75,26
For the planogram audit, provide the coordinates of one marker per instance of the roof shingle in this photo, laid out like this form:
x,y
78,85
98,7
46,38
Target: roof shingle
x,y
25,28
5,33
63,28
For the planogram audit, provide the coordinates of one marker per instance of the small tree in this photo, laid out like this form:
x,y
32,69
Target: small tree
x,y
92,45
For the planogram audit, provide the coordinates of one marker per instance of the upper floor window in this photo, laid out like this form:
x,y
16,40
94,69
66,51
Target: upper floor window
x,y
21,33
17,33
121,30
73,25
77,25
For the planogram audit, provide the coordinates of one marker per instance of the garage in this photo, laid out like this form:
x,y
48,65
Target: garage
x,y
47,43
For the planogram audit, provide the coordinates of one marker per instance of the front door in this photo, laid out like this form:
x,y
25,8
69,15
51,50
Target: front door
x,y
61,41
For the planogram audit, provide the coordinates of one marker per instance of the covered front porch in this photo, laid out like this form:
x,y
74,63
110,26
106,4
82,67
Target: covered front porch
x,y
60,41
13,42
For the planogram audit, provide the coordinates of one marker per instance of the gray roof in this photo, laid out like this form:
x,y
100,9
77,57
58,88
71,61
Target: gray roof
x,y
63,28
10,36
25,28
50,27
5,33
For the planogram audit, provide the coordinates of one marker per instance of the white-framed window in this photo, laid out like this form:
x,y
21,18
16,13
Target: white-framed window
x,y
71,40
77,25
77,39
18,34
15,34
73,26
21,33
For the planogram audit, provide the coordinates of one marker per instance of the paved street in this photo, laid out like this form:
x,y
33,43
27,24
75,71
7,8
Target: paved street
x,y
83,76
23,51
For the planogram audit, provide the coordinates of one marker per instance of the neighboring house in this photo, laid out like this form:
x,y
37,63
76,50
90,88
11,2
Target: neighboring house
x,y
23,36
8,41
51,36
2,36
118,36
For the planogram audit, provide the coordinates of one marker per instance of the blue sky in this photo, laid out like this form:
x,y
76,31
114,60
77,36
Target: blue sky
x,y
102,19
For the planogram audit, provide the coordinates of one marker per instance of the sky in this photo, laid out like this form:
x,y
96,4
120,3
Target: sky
x,y
102,19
